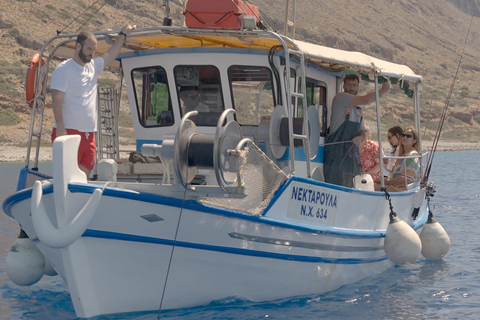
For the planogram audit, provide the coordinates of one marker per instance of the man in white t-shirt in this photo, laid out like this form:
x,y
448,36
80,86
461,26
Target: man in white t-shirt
x,y
342,159
74,93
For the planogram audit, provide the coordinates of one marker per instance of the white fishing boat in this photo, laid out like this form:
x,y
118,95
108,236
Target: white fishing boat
x,y
233,203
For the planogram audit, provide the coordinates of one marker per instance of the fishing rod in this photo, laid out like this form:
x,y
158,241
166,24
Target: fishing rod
x,y
429,109
444,112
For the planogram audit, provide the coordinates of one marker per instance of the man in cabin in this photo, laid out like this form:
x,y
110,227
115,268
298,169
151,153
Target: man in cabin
x,y
74,93
190,96
347,131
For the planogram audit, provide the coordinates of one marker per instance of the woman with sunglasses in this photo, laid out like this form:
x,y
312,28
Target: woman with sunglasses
x,y
407,166
394,138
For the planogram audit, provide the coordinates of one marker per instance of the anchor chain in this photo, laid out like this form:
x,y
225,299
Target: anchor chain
x,y
430,190
392,213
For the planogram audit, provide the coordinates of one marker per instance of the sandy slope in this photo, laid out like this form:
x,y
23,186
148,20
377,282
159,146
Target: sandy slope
x,y
16,154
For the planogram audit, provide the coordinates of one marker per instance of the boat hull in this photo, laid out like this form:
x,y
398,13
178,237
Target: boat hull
x,y
174,253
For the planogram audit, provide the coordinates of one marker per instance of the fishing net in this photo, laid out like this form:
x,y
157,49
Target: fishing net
x,y
261,177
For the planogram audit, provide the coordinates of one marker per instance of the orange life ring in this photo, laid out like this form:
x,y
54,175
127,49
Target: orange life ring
x,y
30,79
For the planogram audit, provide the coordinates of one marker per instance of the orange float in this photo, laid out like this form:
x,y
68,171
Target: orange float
x,y
218,14
30,78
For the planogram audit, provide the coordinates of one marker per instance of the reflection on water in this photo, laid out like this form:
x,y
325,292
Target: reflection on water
x,y
431,271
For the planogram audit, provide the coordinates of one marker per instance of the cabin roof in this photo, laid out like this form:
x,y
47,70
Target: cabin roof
x,y
331,59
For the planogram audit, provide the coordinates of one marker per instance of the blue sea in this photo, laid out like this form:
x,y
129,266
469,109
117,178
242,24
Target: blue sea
x,y
446,289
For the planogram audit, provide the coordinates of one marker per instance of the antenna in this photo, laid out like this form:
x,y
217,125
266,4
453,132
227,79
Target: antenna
x,y
288,22
167,21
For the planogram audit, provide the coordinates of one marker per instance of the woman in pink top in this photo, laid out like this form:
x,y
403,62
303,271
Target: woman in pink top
x,y
369,155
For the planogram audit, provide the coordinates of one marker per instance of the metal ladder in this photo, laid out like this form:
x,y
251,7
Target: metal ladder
x,y
107,133
293,93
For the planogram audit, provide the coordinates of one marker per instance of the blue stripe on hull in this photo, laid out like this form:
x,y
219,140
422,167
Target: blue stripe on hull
x,y
230,250
195,206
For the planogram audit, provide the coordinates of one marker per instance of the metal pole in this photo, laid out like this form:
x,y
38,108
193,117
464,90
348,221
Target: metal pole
x,y
286,18
379,130
293,19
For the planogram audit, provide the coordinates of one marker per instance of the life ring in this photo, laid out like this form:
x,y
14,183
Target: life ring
x,y
30,79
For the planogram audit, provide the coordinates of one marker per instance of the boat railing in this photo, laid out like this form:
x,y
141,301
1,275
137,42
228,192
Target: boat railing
x,y
420,157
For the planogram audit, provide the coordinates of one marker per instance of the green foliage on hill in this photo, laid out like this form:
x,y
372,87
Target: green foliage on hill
x,y
8,117
426,35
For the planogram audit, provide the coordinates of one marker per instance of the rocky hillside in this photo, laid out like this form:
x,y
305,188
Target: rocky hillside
x,y
426,35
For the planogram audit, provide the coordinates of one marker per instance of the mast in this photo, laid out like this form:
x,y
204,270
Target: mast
x,y
288,22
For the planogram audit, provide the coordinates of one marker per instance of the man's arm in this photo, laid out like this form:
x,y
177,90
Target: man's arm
x,y
114,50
359,138
369,98
57,98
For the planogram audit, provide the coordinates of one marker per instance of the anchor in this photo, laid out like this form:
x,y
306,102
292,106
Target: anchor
x,y
71,225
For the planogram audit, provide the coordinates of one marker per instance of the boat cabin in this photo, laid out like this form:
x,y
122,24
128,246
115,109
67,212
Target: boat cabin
x,y
264,82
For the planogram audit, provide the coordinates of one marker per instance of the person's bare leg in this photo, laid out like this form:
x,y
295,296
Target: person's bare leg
x,y
87,171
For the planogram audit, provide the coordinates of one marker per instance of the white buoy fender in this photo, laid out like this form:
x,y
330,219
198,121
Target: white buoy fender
x,y
402,244
49,270
61,237
25,263
435,240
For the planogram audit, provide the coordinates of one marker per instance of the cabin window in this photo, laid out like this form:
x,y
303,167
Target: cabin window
x,y
152,97
317,96
252,93
198,88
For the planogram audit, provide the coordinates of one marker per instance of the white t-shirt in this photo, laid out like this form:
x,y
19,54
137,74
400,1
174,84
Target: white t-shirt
x,y
202,107
340,104
79,83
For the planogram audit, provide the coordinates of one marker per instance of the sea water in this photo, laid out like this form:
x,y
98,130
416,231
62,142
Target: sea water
x,y
445,289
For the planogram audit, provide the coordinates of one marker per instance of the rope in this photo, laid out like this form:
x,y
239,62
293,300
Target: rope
x,y
332,143
444,112
77,17
351,154
338,142
171,252
276,75
39,89
103,5
260,14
